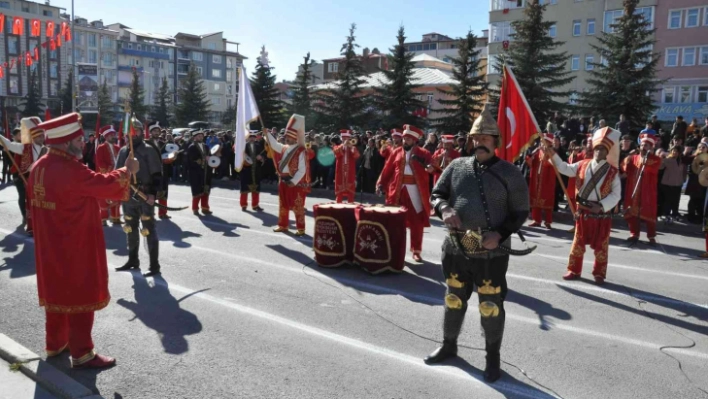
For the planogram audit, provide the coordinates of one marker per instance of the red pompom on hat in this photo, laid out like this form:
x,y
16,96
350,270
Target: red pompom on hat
x,y
63,129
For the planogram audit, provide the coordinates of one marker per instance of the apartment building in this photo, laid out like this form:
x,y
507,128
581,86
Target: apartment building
x,y
51,68
444,47
316,72
373,61
152,55
682,42
215,63
577,23
96,54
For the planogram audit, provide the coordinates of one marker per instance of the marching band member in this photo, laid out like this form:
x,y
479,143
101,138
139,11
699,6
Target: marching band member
x,y
70,250
397,139
251,172
542,187
200,173
25,155
291,163
106,160
642,171
444,156
405,177
480,191
135,212
598,191
346,155
158,145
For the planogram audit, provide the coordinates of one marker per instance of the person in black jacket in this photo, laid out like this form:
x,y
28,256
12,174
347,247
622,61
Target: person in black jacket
x,y
200,173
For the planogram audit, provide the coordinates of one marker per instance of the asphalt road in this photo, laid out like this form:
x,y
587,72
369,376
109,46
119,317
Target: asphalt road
x,y
242,312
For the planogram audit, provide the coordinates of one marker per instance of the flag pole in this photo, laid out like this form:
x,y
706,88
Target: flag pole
x,y
560,179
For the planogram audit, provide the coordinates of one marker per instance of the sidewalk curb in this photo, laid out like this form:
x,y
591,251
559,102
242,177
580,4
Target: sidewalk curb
x,y
44,374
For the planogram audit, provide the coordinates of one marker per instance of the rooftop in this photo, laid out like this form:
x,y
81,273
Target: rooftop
x,y
149,35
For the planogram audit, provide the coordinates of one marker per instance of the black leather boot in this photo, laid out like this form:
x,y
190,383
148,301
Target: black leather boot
x,y
132,263
448,350
492,370
154,249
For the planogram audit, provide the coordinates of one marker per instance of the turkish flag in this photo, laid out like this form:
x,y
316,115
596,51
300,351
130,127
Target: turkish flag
x,y
36,28
50,28
18,26
516,122
2,23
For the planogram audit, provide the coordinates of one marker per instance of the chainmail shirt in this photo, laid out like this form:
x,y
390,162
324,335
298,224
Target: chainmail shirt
x,y
505,190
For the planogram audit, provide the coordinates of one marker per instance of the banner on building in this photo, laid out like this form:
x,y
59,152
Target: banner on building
x,y
87,100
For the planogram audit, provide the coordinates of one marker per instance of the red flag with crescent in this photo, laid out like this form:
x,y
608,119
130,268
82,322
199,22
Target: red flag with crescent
x,y
2,23
36,30
50,28
18,26
517,124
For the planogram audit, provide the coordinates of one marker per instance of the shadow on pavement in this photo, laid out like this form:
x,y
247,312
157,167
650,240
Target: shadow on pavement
x,y
219,225
21,264
157,309
696,312
116,240
543,309
267,219
508,386
85,377
169,231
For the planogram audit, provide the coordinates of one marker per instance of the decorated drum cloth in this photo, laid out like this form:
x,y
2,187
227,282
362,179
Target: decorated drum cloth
x,y
380,240
334,234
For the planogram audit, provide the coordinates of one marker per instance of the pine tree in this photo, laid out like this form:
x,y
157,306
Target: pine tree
x,y
136,96
229,117
161,110
344,105
625,81
464,100
194,105
105,105
63,106
33,99
302,100
540,70
396,98
267,95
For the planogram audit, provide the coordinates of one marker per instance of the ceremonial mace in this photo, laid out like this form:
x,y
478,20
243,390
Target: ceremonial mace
x,y
7,150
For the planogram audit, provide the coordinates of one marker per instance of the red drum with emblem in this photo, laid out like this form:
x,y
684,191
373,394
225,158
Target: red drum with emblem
x,y
334,234
380,239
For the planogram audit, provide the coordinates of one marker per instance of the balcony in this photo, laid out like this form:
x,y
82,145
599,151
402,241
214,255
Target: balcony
x,y
143,53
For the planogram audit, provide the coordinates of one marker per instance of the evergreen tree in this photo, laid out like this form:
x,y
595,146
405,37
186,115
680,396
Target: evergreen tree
x,y
33,99
63,106
625,81
161,110
229,117
105,105
194,105
136,96
302,100
464,100
540,70
344,105
267,95
396,97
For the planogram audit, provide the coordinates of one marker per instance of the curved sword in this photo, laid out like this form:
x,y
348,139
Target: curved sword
x,y
142,197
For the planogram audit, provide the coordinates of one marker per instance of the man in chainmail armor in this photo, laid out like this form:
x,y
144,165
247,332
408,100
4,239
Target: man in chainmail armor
x,y
149,181
481,192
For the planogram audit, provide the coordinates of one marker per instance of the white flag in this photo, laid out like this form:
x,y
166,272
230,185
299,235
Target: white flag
x,y
246,112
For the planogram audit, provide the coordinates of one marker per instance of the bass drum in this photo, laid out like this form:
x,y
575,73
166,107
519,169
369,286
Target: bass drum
x,y
214,161
333,242
380,238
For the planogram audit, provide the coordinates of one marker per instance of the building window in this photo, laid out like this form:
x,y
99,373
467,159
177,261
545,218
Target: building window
x,y
197,56
92,40
576,27
47,13
689,56
200,71
685,96
140,47
492,67
161,50
333,67
591,26
589,62
229,63
692,17
106,42
675,19
217,87
53,54
5,4
703,94
671,57
229,75
53,70
14,85
575,63
552,31
705,16
668,95
12,45
500,31
212,46
92,58
54,88
216,59
703,59
611,17
216,73
130,46
216,100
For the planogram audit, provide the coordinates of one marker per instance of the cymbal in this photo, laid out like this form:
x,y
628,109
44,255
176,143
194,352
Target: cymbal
x,y
699,163
215,149
703,177
171,147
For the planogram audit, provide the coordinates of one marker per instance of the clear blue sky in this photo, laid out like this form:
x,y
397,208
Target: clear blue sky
x,y
289,29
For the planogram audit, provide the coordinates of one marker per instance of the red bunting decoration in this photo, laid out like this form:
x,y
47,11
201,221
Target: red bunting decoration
x,y
64,28
2,23
52,44
36,53
58,40
2,73
28,59
36,30
50,28
18,26
12,63
67,35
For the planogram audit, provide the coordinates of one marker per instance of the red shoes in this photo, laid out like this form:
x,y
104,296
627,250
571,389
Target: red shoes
x,y
548,226
98,362
571,276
